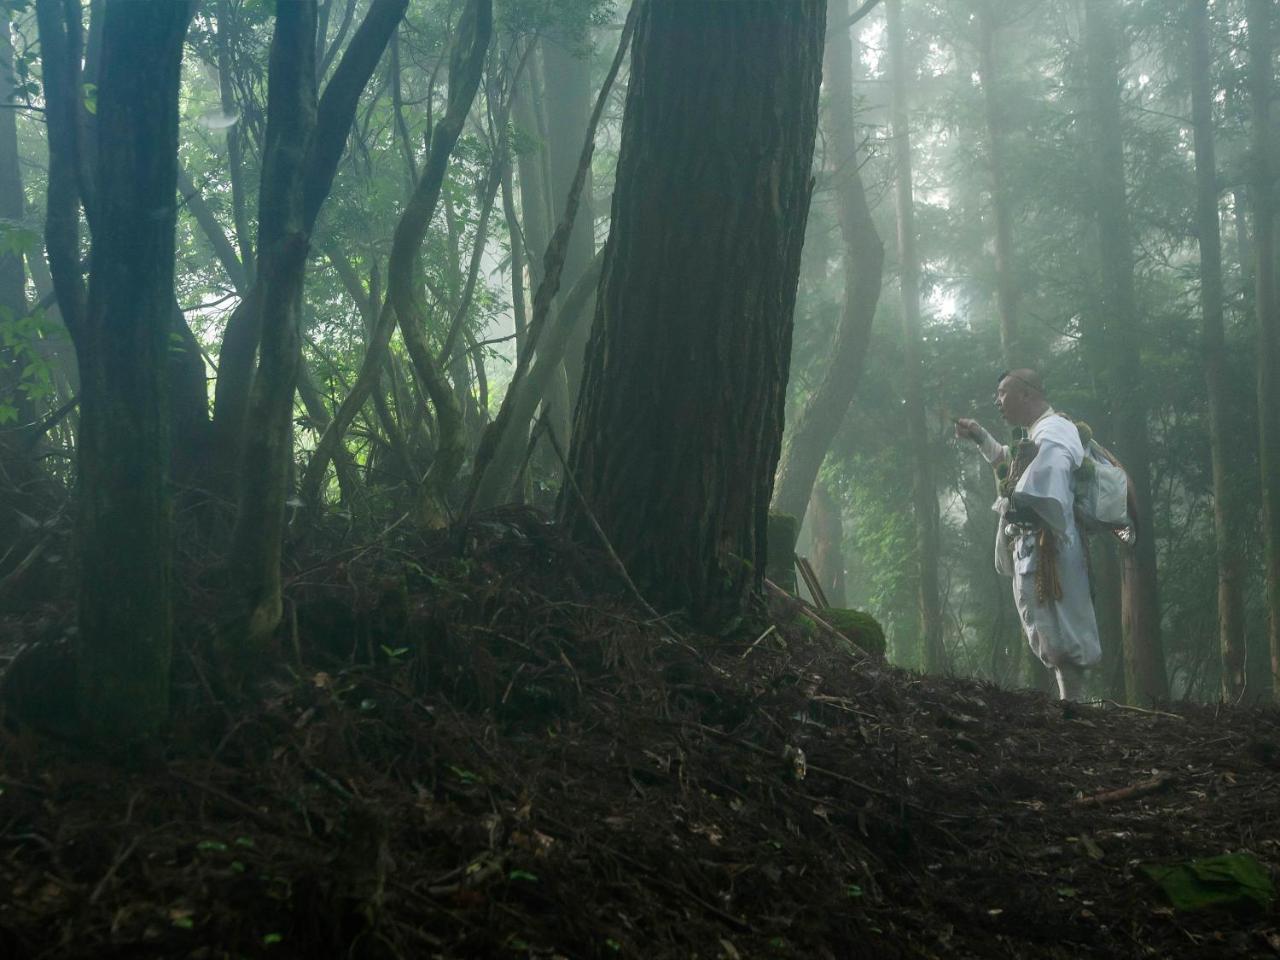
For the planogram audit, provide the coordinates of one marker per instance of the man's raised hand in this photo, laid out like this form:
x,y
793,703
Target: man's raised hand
x,y
967,429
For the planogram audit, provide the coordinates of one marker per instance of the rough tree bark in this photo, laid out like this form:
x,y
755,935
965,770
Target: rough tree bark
x,y
862,264
122,333
924,493
1227,513
679,424
1117,329
1262,191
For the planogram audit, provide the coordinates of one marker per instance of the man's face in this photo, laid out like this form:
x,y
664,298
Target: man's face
x,y
1011,398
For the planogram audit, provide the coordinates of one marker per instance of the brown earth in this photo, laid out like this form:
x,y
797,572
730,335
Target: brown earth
x,y
501,755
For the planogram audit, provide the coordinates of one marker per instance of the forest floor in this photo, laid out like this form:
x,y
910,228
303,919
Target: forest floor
x,y
494,752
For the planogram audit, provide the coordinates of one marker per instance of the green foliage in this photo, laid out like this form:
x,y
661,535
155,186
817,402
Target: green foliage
x,y
1229,880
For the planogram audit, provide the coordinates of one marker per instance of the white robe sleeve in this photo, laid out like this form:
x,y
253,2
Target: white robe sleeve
x,y
1045,486
993,451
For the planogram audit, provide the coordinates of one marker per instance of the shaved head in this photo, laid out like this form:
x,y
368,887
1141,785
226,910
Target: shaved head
x,y
1020,396
1026,377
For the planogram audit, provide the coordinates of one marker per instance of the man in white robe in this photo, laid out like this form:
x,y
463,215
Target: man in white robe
x,y
1063,632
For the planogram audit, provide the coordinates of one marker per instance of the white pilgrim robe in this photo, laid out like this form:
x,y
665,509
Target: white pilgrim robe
x,y
1060,631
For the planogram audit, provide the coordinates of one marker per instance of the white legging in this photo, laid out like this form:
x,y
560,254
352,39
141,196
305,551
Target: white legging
x,y
1070,681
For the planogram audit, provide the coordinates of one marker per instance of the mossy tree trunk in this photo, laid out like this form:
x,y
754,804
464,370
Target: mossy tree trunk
x,y
679,424
122,333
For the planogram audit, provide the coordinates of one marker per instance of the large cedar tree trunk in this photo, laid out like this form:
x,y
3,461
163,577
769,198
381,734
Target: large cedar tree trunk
x,y
1226,508
1121,374
679,424
862,264
924,493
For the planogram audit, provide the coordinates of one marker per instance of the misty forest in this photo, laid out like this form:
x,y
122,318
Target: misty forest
x,y
519,478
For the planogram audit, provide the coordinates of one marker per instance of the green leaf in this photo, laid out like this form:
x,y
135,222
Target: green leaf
x,y
1229,880
523,875
206,846
272,938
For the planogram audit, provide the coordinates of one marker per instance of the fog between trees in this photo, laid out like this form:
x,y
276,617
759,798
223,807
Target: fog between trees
x,y
385,283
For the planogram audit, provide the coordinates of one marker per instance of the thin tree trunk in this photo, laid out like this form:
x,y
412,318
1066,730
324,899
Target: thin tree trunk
x,y
283,245
235,146
1262,191
1227,514
924,494
824,510
679,425
1145,677
566,71
1006,273
862,266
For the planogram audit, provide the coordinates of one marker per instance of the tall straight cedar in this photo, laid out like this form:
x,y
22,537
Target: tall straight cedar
x,y
1115,336
679,424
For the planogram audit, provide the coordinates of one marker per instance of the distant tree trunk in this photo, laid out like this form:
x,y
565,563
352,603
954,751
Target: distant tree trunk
x,y
1118,330
827,528
1262,191
536,209
679,425
1006,272
283,245
566,72
1227,514
122,335
862,265
924,494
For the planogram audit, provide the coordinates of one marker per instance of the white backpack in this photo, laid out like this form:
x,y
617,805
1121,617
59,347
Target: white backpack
x,y
1101,488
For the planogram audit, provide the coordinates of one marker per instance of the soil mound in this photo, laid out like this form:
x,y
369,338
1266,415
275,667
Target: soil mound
x,y
486,748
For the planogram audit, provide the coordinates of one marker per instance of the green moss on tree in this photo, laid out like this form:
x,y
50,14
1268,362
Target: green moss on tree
x,y
860,627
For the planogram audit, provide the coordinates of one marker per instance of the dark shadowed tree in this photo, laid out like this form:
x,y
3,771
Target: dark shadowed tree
x,y
122,331
1261,15
679,424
